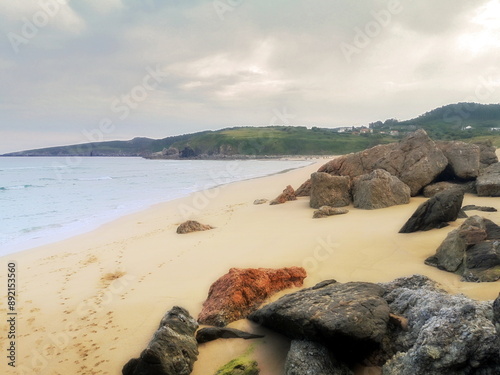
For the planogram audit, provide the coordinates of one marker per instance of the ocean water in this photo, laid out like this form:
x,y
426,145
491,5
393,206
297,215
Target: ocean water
x,y
43,200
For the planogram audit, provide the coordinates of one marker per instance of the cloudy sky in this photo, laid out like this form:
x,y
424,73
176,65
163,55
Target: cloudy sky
x,y
75,71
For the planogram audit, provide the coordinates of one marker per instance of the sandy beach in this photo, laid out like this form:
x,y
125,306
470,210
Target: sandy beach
x,y
88,304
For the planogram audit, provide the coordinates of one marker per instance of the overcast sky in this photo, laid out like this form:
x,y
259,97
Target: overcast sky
x,y
74,71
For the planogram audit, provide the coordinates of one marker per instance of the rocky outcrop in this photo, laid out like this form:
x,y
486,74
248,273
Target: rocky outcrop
x,y
447,334
351,318
325,211
304,190
472,250
379,189
241,291
240,366
192,226
450,254
287,195
327,190
487,153
488,182
435,212
207,334
307,357
416,160
463,159
172,350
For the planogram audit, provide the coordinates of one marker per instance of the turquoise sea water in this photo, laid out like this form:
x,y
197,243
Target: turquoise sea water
x,y
43,200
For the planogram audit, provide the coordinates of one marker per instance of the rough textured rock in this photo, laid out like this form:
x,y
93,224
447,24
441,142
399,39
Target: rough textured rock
x,y
487,153
351,318
415,160
463,158
326,190
260,201
311,358
379,189
325,211
482,262
304,190
472,250
172,350
447,334
192,226
450,254
239,366
496,313
287,195
471,207
432,189
241,291
435,212
207,334
488,182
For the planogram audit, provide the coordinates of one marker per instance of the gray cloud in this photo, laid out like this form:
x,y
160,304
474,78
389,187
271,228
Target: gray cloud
x,y
225,63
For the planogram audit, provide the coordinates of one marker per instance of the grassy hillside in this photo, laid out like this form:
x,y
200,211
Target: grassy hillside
x,y
463,121
249,141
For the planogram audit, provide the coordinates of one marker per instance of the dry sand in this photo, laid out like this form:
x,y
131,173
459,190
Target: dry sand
x,y
88,304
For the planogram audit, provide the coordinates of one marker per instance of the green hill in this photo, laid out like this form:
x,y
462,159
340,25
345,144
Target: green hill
x,y
247,141
462,121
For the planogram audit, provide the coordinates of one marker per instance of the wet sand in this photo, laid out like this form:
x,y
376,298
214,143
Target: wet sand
x,y
88,304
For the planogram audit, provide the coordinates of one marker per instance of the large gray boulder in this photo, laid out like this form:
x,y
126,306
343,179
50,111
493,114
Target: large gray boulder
x,y
435,212
416,160
447,334
327,190
487,153
450,255
472,250
312,358
172,350
350,318
379,189
488,182
463,158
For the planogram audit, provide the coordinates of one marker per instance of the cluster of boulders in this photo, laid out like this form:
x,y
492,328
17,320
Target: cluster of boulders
x,y
407,326
389,174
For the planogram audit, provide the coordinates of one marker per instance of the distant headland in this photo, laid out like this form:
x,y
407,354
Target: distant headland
x,y
468,122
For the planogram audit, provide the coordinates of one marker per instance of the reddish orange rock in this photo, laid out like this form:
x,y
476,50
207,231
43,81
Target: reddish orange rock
x,y
287,195
240,292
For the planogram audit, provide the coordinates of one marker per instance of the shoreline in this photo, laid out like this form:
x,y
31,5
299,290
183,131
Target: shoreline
x,y
70,230
90,303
